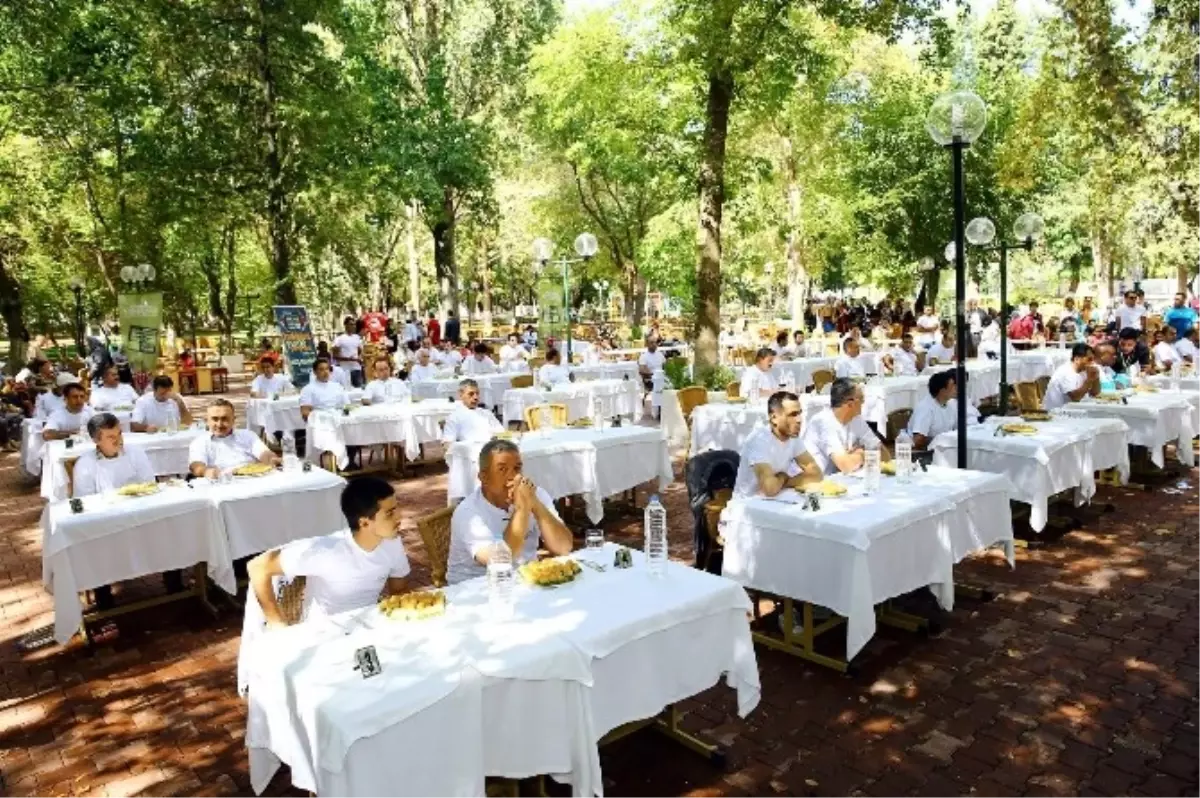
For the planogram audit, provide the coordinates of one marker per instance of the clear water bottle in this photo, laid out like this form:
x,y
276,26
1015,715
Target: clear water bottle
x,y
1176,375
172,420
656,537
500,580
288,444
904,462
871,470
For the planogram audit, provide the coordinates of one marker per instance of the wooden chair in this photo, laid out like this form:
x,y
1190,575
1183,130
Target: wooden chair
x,y
558,415
897,421
712,512
291,600
204,380
1027,395
522,381
821,378
691,398
1042,384
733,390
435,534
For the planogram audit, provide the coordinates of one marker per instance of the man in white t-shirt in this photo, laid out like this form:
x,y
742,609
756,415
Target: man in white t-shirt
x,y
796,348
941,352
554,372
759,381
224,447
864,344
1186,347
344,571
837,437
111,464
447,356
49,401
514,358
847,365
422,370
506,506
773,457
111,393
468,421
975,321
938,412
267,383
1073,380
928,325
72,417
1165,353
651,360
904,359
479,363
155,409
348,351
1131,314
384,388
322,392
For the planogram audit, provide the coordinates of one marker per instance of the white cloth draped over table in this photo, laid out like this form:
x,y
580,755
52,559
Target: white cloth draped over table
x,y
268,416
514,699
1057,458
32,442
1154,420
671,420
167,452
1189,388
617,397
725,425
117,538
1033,364
567,462
607,371
859,550
491,388
402,422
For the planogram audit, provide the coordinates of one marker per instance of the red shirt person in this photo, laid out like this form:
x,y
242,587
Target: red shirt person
x,y
434,330
374,326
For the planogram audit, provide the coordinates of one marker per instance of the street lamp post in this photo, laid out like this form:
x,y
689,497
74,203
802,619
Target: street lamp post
x,y
601,286
586,247
77,288
955,121
1026,230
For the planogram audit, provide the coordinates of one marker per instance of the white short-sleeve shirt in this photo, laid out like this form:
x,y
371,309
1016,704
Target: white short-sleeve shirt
x,y
339,574
903,362
451,359
328,395
339,375
105,398
391,390
1184,347
63,420
148,410
238,448
932,419
551,374
846,366
419,373
928,326
755,380
943,354
1064,380
47,403
269,386
474,365
470,425
824,436
477,524
1165,354
512,358
95,473
346,346
652,360
764,447
1130,316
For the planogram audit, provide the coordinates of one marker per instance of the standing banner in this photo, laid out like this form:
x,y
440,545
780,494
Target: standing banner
x,y
140,318
298,345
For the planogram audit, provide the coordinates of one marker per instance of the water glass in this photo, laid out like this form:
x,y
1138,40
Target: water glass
x,y
871,470
594,538
225,477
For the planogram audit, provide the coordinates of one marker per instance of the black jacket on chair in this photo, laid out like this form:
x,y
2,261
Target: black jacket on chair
x,y
705,474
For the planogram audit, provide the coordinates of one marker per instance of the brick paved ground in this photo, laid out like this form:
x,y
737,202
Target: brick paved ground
x,y
1081,678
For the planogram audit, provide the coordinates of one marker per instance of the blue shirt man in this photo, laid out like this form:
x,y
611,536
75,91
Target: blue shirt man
x,y
1181,317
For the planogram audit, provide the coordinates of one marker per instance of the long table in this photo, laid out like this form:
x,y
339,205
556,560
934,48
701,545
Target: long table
x,y
617,397
167,452
568,462
1189,387
491,387
1154,420
511,698
268,416
861,549
117,538
407,423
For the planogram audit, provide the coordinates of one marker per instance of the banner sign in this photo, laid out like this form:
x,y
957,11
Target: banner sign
x,y
140,318
298,345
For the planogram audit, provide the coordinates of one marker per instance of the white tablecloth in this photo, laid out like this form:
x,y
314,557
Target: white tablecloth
x,y
32,442
567,462
983,379
881,397
801,369
671,420
859,550
411,424
517,698
617,397
1057,458
725,425
1190,388
1154,419
268,416
1031,365
260,513
607,371
491,388
167,452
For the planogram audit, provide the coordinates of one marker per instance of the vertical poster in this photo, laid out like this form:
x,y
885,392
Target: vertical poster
x,y
551,321
140,318
298,345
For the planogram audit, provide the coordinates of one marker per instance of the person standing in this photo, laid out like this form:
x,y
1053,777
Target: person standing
x,y
452,332
433,329
347,351
1131,314
1180,317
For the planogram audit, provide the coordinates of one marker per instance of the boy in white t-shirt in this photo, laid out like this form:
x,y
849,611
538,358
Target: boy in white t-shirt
x,y
267,383
344,571
774,457
348,351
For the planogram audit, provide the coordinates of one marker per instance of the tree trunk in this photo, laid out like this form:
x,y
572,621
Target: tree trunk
x,y
414,268
278,210
1101,265
797,277
639,298
712,203
443,254
1182,278
12,310
485,280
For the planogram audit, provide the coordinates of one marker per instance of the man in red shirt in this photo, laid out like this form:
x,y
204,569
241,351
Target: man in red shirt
x,y
374,325
433,329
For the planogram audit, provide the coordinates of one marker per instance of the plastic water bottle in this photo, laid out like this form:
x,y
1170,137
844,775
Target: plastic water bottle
x,y
904,456
871,471
500,580
656,537
290,461
1176,375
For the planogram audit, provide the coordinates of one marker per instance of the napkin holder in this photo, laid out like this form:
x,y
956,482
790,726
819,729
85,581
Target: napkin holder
x,y
69,443
616,421
306,467
623,559
345,411
366,662
76,506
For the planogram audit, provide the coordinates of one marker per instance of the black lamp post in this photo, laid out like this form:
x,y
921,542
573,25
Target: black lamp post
x,y
77,289
586,247
955,120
